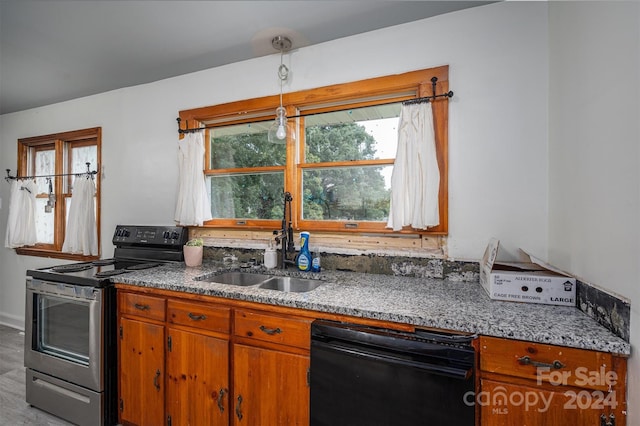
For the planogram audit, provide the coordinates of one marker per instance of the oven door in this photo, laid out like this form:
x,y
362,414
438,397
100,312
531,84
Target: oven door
x,y
63,332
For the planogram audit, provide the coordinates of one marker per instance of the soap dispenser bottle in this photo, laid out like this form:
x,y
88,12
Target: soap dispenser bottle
x,y
270,256
303,261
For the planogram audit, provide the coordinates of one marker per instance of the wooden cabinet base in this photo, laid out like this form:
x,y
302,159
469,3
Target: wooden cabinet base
x,y
270,387
141,378
532,384
184,362
202,360
197,379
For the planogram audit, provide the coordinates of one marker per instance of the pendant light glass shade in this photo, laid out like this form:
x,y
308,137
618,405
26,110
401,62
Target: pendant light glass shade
x,y
278,130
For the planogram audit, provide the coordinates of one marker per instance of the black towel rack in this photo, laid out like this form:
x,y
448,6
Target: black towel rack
x,y
88,173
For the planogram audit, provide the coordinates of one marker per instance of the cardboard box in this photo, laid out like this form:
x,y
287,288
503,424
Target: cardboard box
x,y
532,281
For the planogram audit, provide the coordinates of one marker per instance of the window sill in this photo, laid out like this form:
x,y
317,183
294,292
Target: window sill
x,y
33,251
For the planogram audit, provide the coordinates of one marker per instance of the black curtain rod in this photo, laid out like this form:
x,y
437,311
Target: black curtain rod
x,y
419,100
88,173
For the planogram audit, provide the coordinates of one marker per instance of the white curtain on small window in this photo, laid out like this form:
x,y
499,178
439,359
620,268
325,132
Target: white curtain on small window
x,y
81,235
21,225
193,206
415,181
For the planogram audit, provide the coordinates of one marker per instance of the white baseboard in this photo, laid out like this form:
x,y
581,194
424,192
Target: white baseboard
x,y
12,321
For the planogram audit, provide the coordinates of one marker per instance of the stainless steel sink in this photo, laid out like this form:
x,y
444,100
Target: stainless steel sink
x,y
268,282
238,278
290,284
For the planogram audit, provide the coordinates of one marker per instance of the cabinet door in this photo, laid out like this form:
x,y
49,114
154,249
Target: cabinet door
x,y
270,387
141,383
197,379
503,404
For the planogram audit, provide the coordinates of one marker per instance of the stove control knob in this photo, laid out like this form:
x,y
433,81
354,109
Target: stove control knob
x,y
174,235
166,235
125,233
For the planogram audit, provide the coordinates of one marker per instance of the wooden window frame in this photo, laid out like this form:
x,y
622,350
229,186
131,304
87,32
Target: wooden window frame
x,y
62,143
367,92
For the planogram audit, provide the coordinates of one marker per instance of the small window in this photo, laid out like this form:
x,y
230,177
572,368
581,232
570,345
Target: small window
x,y
246,172
339,183
61,156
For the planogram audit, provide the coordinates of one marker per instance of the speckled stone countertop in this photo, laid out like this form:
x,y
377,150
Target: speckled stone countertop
x,y
444,304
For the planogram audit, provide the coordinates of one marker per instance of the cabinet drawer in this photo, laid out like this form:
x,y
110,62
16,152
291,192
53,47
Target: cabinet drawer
x,y
141,305
272,328
200,315
547,363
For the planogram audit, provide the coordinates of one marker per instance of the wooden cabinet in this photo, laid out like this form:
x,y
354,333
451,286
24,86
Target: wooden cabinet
x,y
524,383
181,364
289,331
202,360
197,379
271,387
201,316
197,364
141,359
142,306
270,369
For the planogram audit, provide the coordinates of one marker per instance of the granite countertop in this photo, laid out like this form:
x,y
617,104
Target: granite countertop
x,y
444,304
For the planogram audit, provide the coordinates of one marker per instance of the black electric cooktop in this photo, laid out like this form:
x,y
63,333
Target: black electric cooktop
x,y
137,247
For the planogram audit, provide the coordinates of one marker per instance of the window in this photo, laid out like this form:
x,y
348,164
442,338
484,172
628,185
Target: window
x,y
345,172
337,160
58,154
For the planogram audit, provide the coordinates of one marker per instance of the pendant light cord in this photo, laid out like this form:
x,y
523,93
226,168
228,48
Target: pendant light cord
x,y
283,73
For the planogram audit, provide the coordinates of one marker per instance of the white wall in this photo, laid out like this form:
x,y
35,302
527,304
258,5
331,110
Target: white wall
x,y
594,152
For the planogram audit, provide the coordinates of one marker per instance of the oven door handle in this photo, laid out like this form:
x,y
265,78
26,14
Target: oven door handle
x,y
64,291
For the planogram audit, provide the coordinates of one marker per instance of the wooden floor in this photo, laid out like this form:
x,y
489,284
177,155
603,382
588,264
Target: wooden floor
x,y
13,408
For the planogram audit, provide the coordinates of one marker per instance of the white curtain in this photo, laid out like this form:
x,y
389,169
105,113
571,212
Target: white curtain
x,y
21,225
193,206
415,181
81,235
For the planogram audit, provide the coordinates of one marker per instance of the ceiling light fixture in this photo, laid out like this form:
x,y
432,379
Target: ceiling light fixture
x,y
278,130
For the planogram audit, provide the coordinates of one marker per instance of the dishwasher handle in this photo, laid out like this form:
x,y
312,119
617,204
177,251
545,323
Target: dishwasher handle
x,y
388,357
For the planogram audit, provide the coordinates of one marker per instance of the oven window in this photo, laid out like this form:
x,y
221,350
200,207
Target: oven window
x,y
63,328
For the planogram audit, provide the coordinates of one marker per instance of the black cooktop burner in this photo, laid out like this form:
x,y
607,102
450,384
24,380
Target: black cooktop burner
x,y
104,274
142,266
74,267
103,262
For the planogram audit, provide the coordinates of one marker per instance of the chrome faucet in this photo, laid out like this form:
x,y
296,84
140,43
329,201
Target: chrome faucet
x,y
284,236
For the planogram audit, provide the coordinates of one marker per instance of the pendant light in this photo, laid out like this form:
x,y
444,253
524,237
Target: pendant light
x,y
278,130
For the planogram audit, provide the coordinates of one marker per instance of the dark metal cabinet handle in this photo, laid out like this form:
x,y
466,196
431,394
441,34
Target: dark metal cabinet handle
x,y
221,395
156,382
197,317
270,331
556,365
604,422
142,307
239,408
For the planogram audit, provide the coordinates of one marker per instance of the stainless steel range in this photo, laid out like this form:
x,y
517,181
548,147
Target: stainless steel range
x,y
70,327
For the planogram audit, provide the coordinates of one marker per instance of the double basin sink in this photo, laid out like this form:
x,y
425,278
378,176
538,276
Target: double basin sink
x,y
268,282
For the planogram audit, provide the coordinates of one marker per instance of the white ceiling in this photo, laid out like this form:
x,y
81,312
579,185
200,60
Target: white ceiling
x,y
53,50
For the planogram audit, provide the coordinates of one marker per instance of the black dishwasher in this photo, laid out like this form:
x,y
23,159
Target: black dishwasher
x,y
365,376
